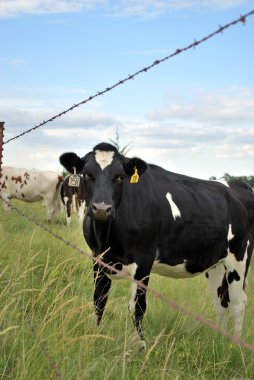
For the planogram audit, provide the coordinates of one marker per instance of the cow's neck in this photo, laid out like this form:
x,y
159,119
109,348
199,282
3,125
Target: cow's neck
x,y
101,235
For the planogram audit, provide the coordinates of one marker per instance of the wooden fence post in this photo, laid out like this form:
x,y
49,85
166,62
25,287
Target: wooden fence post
x,y
1,144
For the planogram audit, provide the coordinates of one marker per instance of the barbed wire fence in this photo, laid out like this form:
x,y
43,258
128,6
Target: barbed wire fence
x,y
158,295
242,19
123,275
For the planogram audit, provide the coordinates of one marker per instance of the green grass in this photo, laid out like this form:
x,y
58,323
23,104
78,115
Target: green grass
x,y
46,315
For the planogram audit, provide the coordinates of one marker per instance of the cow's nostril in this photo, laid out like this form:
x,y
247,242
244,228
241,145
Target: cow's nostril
x,y
94,206
108,209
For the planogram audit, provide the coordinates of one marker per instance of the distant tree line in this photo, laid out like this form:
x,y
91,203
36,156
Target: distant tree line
x,y
227,177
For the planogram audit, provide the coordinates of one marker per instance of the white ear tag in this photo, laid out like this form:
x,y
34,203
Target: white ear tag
x,y
74,179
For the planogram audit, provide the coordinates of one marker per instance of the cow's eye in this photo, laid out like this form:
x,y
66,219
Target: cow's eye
x,y
118,179
89,177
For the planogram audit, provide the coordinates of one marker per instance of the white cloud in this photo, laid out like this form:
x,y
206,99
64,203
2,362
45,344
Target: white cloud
x,y
153,8
205,127
37,156
80,134
13,61
212,108
233,151
10,8
23,112
143,8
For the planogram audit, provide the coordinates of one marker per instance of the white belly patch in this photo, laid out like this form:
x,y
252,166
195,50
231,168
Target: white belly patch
x,y
129,270
175,271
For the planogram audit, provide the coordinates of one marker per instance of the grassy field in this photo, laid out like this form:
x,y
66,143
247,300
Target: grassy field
x,y
46,316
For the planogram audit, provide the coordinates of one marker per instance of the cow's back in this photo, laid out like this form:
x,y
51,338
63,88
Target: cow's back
x,y
183,214
28,185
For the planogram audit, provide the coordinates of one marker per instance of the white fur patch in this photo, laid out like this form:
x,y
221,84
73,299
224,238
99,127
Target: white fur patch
x,y
222,181
81,211
230,233
214,280
175,271
127,269
175,210
132,298
103,158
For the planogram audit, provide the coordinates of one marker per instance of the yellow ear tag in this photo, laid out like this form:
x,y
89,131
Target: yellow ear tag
x,y
135,176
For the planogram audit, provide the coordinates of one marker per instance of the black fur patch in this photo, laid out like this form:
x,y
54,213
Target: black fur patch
x,y
70,160
130,165
105,147
222,292
206,274
233,276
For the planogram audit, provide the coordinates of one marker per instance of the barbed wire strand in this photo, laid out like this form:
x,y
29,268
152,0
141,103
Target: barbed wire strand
x,y
221,29
172,304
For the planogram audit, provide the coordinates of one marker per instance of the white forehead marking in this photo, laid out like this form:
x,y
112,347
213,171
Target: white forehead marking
x,y
175,210
230,233
103,158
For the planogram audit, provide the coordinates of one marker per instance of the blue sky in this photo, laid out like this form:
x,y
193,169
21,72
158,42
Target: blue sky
x,y
192,114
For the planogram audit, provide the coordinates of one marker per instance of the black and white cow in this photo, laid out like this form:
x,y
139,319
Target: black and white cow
x,y
73,197
31,186
165,223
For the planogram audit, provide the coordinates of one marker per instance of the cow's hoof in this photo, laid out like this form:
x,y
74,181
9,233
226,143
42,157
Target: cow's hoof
x,y
142,346
137,344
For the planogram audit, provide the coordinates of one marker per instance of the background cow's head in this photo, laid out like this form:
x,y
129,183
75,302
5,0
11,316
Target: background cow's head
x,y
105,170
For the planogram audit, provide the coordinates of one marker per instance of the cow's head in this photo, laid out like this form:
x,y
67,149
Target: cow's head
x,y
105,170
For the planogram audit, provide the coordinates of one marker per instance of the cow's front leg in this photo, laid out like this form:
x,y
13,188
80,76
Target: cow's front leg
x,y
137,304
81,211
101,290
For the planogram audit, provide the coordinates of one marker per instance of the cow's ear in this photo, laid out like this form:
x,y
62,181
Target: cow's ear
x,y
134,168
70,160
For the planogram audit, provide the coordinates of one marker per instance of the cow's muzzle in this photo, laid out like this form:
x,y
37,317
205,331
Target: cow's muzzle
x,y
101,211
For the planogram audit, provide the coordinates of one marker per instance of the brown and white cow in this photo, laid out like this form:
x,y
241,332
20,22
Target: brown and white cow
x,y
31,186
73,197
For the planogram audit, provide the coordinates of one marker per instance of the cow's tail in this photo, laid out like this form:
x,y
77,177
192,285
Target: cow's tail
x,y
57,196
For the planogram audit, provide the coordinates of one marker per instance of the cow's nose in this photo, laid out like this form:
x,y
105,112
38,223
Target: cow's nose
x,y
101,210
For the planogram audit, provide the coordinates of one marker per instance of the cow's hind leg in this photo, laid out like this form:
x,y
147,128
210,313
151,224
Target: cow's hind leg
x,y
137,303
218,286
236,276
